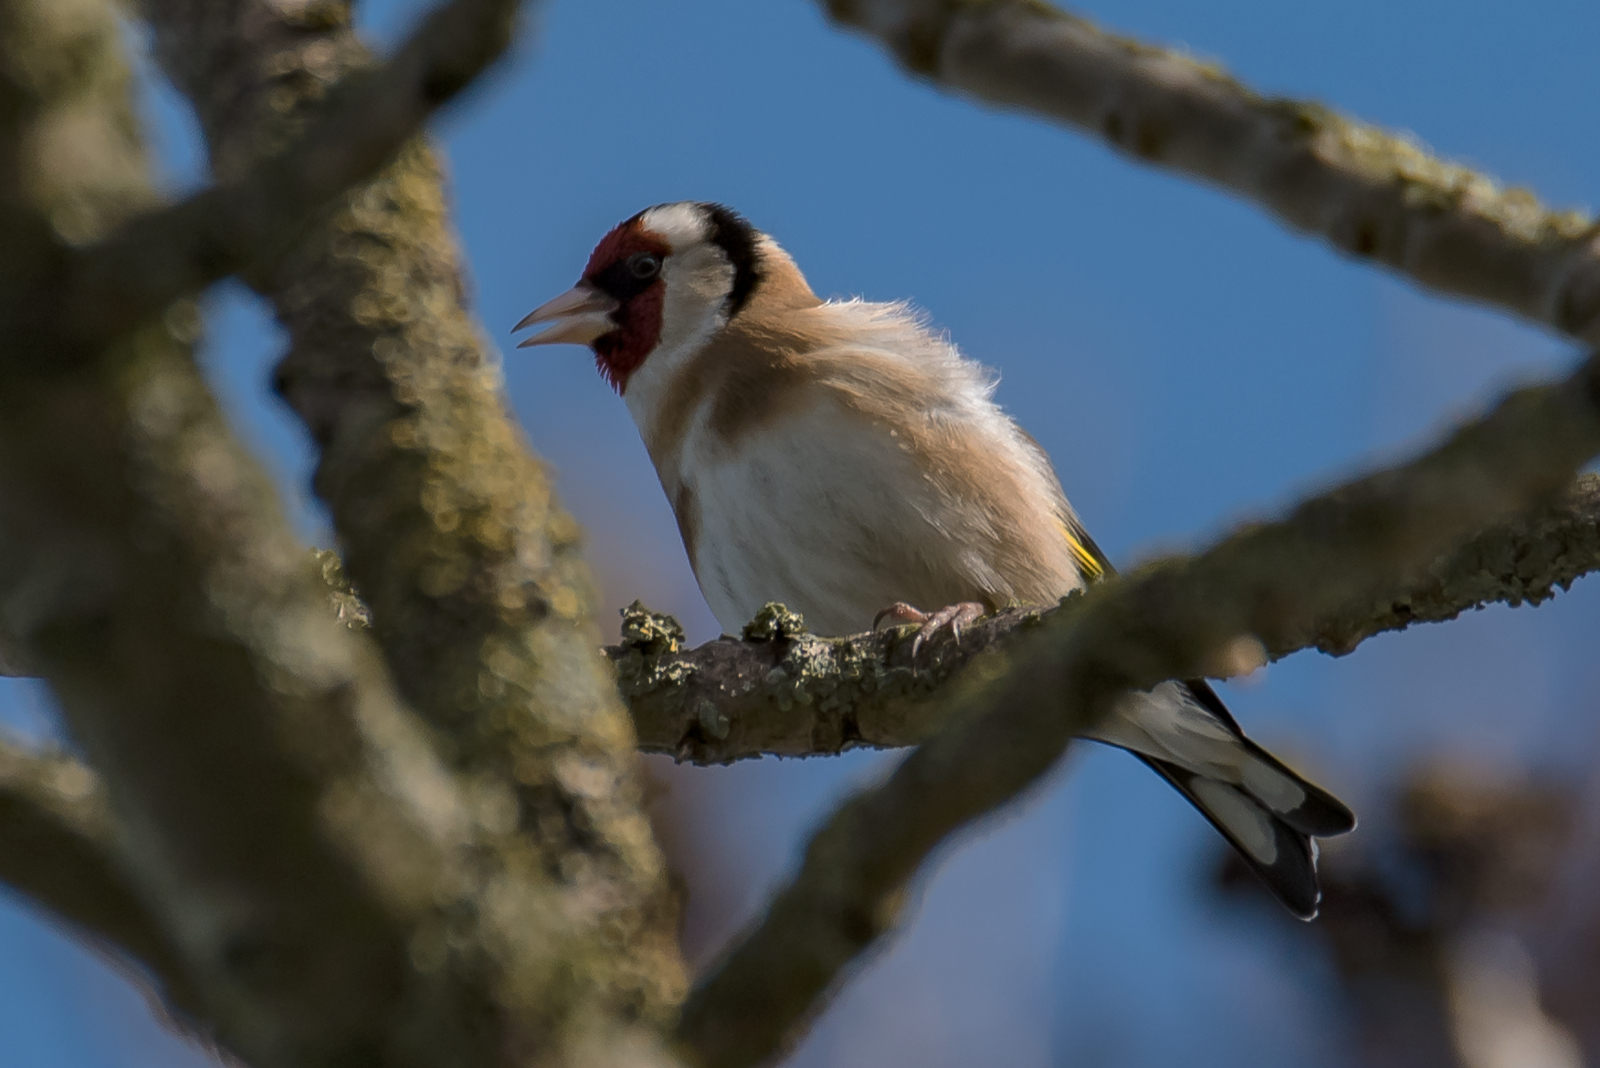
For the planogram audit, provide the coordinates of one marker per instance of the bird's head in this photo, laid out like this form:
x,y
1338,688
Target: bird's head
x,y
666,278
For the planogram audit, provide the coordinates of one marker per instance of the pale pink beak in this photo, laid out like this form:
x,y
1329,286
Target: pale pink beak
x,y
580,315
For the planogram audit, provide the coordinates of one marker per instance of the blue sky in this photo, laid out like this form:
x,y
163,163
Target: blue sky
x,y
1187,363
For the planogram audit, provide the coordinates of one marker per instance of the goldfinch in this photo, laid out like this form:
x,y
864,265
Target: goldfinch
x,y
840,457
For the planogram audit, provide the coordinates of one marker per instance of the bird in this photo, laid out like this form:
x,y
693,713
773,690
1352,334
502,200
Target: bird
x,y
846,460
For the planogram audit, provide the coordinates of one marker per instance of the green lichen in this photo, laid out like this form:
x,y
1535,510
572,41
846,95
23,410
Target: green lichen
x,y
711,719
647,637
773,622
347,603
834,676
1425,180
652,633
808,666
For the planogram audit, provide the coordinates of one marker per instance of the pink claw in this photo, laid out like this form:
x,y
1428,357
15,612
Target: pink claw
x,y
952,616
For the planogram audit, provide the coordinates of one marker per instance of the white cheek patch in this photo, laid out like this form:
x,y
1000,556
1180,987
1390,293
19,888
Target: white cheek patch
x,y
697,281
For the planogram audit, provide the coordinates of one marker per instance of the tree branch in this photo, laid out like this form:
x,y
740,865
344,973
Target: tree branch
x,y
258,214
1523,561
449,527
1368,192
336,895
796,694
1172,619
57,849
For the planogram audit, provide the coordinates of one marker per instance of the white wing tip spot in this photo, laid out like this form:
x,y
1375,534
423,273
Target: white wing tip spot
x,y
1248,822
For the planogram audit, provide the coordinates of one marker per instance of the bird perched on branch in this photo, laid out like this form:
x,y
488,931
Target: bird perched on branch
x,y
843,459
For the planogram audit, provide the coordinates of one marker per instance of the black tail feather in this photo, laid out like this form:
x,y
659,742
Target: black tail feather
x,y
1320,815
1291,871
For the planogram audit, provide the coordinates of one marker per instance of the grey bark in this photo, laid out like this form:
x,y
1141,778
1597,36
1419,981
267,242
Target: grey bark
x,y
791,693
1368,192
326,878
449,526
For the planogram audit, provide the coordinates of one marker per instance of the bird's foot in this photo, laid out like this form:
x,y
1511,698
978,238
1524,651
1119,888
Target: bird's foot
x,y
951,617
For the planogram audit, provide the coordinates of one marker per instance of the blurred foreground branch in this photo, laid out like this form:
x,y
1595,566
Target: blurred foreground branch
x,y
1369,192
795,694
274,833
1013,715
56,849
449,526
337,883
255,215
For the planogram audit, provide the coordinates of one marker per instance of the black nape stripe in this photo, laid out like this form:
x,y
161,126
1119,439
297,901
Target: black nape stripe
x,y
733,233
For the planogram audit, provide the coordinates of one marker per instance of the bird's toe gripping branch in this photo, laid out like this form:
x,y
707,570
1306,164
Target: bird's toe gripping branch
x,y
952,617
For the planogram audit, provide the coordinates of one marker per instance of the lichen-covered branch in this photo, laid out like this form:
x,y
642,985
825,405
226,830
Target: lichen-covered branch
x,y
276,807
1177,618
57,849
787,692
277,813
791,693
334,894
449,527
1524,561
257,213
1369,192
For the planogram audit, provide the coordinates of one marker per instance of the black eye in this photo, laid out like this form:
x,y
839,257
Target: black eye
x,y
644,265
626,278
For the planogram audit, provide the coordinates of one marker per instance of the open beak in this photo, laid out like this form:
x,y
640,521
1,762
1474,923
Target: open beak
x,y
580,315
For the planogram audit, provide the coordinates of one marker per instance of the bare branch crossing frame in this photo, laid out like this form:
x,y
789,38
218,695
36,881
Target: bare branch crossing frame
x,y
419,839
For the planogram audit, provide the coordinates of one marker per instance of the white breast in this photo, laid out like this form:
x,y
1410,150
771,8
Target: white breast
x,y
811,512
827,509
829,514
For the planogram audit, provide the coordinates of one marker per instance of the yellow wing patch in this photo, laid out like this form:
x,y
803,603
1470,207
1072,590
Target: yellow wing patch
x,y
1083,553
